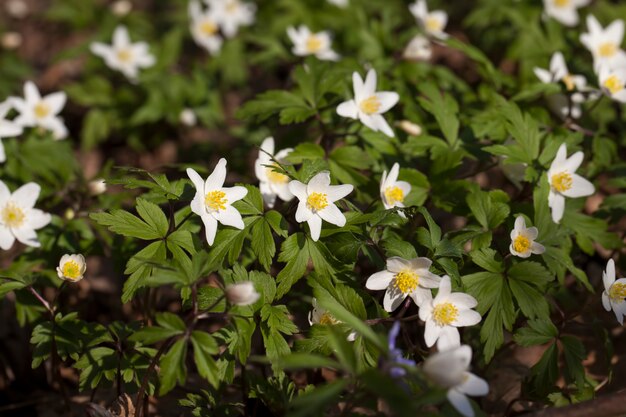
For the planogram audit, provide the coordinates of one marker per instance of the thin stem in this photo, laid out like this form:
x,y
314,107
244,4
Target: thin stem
x,y
42,300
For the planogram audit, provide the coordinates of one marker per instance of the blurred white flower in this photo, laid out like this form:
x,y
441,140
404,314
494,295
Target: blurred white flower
x,y
121,8
614,294
449,369
242,293
613,82
231,14
18,217
97,186
433,23
409,127
122,55
11,40
564,182
213,202
42,112
523,240
369,105
72,267
404,278
317,202
604,43
8,128
307,43
339,3
320,316
272,183
188,117
565,11
204,28
16,8
392,191
418,49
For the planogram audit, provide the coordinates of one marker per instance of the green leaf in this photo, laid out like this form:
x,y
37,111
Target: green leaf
x,y
263,243
277,318
204,346
538,332
487,259
574,353
444,108
290,107
317,400
126,224
298,360
489,208
532,302
151,335
295,252
153,216
252,203
170,321
546,371
172,366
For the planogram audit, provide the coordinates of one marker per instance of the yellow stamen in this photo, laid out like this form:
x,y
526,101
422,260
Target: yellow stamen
x,y
276,177
208,28
327,318
406,281
313,44
41,110
562,3
568,80
124,55
317,201
607,49
370,105
433,24
617,292
215,200
445,313
71,270
521,244
12,215
394,195
613,84
562,181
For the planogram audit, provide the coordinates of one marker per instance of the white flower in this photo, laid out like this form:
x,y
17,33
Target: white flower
x,y
72,267
213,202
433,22
317,202
339,3
8,128
42,112
307,43
122,55
418,49
204,28
121,8
242,293
272,183
18,217
369,105
565,11
614,292
409,127
11,40
404,278
523,240
231,14
443,314
188,117
392,191
604,44
320,316
613,82
17,8
449,369
97,186
564,182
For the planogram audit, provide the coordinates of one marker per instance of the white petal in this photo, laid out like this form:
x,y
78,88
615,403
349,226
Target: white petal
x,y
215,181
382,125
56,101
609,276
460,402
558,207
210,226
5,193
337,192
27,195
120,37
467,318
421,296
38,219
573,162
357,84
462,300
235,193
267,146
196,179
397,264
537,248
392,300
379,280
6,238
445,287
431,333
315,225
369,87
605,299
428,279
319,183
387,100
26,236
348,109
449,338
520,224
303,213
544,75
333,215
31,93
298,189
615,31
393,175
580,187
229,217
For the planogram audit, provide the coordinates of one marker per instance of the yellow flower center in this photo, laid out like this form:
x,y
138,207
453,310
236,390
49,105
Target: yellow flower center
x,y
12,215
317,201
617,292
433,24
607,49
71,270
613,84
370,105
124,55
521,244
406,281
327,318
562,3
208,28
313,44
445,313
41,110
275,177
215,200
394,195
568,80
562,181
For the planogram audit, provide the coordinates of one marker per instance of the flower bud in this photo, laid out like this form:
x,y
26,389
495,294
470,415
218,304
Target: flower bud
x,y
11,40
72,267
242,294
97,186
17,9
69,214
418,49
188,117
121,8
409,127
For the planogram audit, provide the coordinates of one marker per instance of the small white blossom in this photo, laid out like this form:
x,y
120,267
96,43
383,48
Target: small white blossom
x,y
11,40
392,191
409,127
433,23
523,240
317,202
614,294
242,293
564,182
449,369
213,202
604,43
8,128
18,217
17,8
124,56
613,82
404,278
307,43
204,28
231,14
565,11
72,267
272,183
339,3
97,186
418,49
121,8
40,111
188,117
443,314
320,316
369,105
